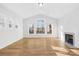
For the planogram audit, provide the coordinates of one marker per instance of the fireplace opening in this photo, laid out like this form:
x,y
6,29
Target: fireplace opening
x,y
69,39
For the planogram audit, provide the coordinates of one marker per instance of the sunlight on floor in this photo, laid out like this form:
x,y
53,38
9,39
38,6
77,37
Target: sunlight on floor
x,y
75,51
60,49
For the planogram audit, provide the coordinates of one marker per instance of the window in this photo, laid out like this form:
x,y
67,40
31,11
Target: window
x,y
39,27
31,29
49,29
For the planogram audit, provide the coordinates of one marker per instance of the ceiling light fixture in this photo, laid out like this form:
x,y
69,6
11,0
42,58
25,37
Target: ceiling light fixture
x,y
40,4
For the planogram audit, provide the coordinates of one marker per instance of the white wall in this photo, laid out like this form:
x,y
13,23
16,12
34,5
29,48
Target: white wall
x,y
70,23
10,35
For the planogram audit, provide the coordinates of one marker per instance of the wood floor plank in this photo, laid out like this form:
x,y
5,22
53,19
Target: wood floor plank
x,y
37,47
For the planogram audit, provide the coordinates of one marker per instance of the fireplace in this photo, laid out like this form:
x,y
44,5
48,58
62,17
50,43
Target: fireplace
x,y
69,38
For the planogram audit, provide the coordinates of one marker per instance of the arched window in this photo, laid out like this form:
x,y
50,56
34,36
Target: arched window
x,y
39,27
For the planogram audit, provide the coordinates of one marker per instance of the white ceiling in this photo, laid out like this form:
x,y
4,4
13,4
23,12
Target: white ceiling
x,y
55,10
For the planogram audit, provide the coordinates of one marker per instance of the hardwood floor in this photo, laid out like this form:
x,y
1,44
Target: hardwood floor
x,y
38,47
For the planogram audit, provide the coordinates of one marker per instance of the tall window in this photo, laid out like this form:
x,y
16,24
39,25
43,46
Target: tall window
x,y
31,29
49,29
